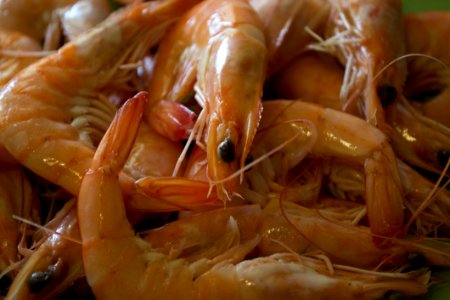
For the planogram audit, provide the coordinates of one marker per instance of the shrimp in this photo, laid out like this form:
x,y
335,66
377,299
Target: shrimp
x,y
416,139
320,70
10,65
425,34
338,135
364,36
119,264
42,23
43,107
55,264
285,25
318,228
219,47
16,198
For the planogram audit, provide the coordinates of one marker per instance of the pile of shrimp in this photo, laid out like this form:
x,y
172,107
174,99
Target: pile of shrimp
x,y
223,149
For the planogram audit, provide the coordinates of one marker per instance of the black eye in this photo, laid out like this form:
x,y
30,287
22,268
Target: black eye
x,y
226,151
442,157
38,281
5,282
387,94
416,261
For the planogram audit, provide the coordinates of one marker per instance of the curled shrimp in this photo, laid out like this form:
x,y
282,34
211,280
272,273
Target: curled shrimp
x,y
219,47
56,262
343,136
51,109
364,36
144,272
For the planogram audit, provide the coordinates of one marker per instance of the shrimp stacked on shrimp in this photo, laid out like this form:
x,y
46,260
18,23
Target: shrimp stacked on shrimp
x,y
187,149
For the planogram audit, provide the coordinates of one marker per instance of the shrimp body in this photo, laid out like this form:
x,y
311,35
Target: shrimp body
x,y
364,36
16,198
10,65
285,25
46,108
327,134
219,46
119,265
55,264
425,33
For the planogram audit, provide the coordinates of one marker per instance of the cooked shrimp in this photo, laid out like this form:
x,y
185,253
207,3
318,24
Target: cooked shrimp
x,y
416,139
113,256
343,136
319,228
306,78
10,64
43,106
82,16
55,264
364,36
47,19
426,34
194,238
219,46
285,25
16,198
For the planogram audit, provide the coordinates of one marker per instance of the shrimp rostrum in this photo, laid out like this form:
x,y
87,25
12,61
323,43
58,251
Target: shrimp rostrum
x,y
119,264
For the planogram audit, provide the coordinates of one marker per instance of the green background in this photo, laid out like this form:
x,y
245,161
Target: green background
x,y
440,291
425,5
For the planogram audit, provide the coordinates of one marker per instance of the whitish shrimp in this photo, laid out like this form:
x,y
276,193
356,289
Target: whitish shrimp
x,y
219,47
343,136
364,36
429,81
285,24
147,273
55,264
47,107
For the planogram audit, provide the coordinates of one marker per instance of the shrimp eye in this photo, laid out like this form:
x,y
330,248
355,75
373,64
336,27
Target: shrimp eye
x,y
226,151
387,94
442,157
38,280
416,261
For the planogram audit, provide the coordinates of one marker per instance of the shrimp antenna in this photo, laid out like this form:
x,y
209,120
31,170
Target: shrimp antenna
x,y
431,197
47,230
408,56
309,145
